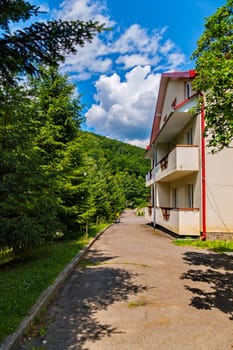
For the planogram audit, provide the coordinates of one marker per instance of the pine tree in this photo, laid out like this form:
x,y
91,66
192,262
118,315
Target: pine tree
x,y
40,165
26,209
41,43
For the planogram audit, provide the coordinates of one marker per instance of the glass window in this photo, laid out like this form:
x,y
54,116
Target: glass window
x,y
189,195
189,137
188,89
174,198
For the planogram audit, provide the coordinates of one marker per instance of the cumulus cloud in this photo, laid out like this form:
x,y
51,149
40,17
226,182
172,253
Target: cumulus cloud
x,y
134,46
138,142
84,10
130,61
175,59
136,39
123,109
126,66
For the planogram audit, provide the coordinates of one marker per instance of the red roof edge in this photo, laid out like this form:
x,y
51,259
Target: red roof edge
x,y
190,74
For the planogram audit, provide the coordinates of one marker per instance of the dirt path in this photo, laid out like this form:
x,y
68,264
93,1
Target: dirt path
x,y
137,291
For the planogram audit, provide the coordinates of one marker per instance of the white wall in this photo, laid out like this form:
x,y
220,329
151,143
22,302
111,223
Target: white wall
x,y
219,188
175,89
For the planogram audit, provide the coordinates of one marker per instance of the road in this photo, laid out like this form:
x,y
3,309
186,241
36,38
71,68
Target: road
x,y
135,290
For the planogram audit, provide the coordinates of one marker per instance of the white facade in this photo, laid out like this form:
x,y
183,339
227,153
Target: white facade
x,y
191,189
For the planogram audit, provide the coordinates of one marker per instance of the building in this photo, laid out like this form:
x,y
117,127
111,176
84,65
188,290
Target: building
x,y
191,188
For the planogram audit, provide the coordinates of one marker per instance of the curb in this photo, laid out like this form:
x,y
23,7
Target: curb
x,y
11,341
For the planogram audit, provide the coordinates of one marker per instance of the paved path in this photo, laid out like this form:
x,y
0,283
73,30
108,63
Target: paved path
x,y
136,290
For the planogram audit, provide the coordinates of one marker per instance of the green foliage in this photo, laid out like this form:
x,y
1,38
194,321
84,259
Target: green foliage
x,y
22,283
77,205
117,174
53,177
42,43
26,207
40,170
15,11
59,116
217,245
40,165
214,66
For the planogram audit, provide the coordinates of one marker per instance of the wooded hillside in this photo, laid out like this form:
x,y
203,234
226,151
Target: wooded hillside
x,y
55,178
121,167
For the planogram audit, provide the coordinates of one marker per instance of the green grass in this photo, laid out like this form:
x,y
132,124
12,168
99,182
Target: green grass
x,y
23,282
140,302
217,246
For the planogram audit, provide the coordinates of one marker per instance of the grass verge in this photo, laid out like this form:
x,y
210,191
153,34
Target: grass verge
x,y
23,282
217,246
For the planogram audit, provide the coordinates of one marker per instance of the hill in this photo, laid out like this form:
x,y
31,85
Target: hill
x,y
120,169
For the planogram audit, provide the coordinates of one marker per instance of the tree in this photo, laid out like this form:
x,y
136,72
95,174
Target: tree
x,y
40,43
59,116
117,175
214,67
27,208
40,165
76,206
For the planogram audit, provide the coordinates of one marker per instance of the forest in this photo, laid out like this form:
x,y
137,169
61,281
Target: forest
x,y
54,177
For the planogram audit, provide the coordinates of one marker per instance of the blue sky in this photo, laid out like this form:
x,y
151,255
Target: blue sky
x,y
118,74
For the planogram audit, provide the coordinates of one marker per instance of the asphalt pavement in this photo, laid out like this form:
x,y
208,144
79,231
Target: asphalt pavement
x,y
136,290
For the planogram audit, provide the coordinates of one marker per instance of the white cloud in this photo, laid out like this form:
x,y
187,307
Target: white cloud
x,y
92,58
124,64
104,54
44,7
133,39
124,109
175,59
137,142
167,46
84,10
133,60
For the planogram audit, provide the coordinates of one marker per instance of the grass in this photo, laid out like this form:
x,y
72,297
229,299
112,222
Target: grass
x,y
23,282
140,302
217,246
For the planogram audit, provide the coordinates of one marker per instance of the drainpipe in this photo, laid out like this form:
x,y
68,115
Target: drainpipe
x,y
155,185
154,194
203,170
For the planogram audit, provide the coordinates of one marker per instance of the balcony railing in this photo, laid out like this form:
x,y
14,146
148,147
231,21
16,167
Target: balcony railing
x,y
181,161
182,221
175,121
150,177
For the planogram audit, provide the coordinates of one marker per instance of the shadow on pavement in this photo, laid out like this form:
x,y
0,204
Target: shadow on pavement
x,y
73,316
217,272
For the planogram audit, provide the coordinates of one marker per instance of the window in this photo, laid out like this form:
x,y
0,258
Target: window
x,y
188,89
174,198
189,195
189,137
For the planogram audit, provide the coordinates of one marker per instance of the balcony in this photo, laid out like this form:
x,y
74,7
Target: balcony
x,y
150,178
181,161
179,117
182,221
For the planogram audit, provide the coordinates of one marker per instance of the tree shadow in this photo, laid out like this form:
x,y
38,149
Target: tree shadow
x,y
71,318
217,271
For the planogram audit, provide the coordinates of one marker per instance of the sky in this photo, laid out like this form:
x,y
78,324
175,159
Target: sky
x,y
118,74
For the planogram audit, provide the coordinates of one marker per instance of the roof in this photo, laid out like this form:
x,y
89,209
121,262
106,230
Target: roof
x,y
165,77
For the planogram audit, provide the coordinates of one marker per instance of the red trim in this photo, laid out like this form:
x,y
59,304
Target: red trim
x,y
192,73
161,94
185,101
177,75
203,178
